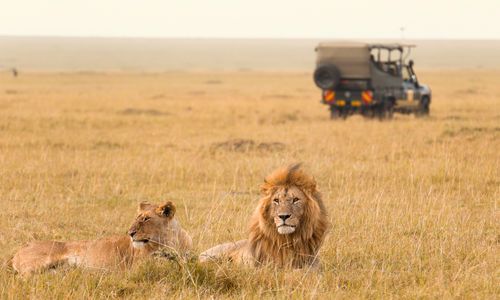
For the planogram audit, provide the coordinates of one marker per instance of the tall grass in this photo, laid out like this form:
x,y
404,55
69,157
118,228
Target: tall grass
x,y
413,202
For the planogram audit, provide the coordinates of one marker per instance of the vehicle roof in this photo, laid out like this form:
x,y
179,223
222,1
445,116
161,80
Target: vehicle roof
x,y
352,59
389,46
342,45
392,46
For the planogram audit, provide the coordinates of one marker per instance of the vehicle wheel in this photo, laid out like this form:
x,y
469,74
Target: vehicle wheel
x,y
367,114
389,110
335,113
370,113
344,114
327,77
385,110
423,107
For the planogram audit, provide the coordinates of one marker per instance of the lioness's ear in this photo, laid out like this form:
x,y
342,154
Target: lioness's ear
x,y
144,205
166,210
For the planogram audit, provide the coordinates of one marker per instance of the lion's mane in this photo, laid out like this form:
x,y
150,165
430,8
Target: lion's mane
x,y
300,248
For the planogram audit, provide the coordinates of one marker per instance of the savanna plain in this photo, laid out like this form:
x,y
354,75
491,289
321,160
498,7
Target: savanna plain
x,y
413,202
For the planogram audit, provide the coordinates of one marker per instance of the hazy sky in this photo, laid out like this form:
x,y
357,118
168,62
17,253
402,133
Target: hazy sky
x,y
479,19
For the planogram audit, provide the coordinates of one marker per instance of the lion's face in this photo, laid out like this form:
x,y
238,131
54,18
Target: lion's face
x,y
287,208
152,226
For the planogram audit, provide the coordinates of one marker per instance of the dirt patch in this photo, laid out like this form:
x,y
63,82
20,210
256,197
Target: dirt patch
x,y
279,118
470,131
246,145
11,92
479,129
197,93
468,91
213,82
277,96
149,112
453,118
107,145
157,97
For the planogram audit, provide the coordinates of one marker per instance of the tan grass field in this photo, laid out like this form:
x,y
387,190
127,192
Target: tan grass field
x,y
413,202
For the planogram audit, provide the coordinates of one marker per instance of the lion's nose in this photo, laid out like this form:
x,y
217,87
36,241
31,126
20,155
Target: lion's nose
x,y
284,217
132,232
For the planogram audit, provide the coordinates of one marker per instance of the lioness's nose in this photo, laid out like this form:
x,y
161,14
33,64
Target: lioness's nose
x,y
132,232
284,217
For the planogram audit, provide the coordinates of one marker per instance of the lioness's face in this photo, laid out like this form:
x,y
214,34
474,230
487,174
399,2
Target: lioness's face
x,y
287,208
151,226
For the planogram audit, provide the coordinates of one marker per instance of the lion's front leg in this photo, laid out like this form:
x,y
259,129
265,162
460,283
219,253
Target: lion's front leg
x,y
230,250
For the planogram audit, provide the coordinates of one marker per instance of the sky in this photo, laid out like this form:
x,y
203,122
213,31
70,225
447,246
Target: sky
x,y
343,19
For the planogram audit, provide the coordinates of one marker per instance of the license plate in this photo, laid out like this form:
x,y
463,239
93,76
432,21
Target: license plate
x,y
356,103
340,102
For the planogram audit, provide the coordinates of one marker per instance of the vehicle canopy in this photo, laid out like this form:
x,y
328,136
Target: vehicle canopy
x,y
353,59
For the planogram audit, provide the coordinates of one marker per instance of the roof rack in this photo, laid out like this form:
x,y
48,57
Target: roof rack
x,y
391,46
349,44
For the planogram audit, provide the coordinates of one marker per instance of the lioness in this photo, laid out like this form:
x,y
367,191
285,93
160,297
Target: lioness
x,y
154,227
287,227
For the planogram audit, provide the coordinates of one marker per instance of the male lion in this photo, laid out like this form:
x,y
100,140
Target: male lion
x,y
287,227
154,227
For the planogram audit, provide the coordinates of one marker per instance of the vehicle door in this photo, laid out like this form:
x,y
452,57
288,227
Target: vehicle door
x,y
410,91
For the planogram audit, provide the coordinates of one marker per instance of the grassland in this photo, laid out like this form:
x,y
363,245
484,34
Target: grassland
x,y
413,202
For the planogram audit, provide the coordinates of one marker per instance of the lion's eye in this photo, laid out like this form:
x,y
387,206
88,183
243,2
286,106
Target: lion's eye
x,y
295,200
147,219
276,200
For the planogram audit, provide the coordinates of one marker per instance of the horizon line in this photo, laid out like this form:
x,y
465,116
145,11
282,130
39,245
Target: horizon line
x,y
237,38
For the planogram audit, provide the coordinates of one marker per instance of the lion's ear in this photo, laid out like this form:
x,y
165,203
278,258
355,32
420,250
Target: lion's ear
x,y
166,210
144,205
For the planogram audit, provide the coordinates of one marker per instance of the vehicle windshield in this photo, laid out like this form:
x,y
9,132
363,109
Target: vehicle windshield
x,y
407,76
387,60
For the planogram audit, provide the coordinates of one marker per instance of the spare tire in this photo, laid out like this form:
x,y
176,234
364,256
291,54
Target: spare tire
x,y
327,76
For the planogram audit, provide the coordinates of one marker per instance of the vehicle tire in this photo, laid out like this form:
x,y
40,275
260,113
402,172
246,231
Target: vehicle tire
x,y
369,113
389,110
327,76
379,112
385,110
423,107
335,113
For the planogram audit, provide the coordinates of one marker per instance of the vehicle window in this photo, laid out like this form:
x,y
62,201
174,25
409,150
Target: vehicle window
x,y
387,61
380,55
406,74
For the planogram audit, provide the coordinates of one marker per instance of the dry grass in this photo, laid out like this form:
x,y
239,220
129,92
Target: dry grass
x,y
413,202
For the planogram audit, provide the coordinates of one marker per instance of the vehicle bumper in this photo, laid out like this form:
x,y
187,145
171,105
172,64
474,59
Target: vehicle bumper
x,y
350,104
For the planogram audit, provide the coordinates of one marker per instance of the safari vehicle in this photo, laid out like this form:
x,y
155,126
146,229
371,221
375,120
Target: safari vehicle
x,y
374,80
